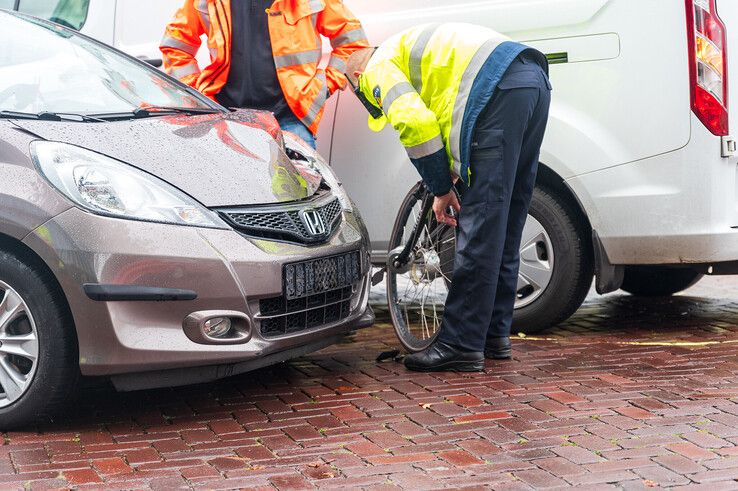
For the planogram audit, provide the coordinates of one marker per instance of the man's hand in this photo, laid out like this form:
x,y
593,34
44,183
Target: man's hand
x,y
441,204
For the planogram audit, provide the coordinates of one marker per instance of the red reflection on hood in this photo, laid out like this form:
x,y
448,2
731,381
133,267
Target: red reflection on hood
x,y
199,126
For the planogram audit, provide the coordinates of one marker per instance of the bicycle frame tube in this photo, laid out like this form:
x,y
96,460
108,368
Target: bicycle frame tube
x,y
403,257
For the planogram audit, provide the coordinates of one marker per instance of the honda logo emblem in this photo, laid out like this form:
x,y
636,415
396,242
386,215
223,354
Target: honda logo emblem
x,y
313,221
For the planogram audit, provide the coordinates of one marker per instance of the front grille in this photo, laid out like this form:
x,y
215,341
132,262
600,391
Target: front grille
x,y
286,225
315,293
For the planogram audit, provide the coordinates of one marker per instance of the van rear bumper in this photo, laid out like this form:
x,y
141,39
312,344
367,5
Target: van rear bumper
x,y
675,208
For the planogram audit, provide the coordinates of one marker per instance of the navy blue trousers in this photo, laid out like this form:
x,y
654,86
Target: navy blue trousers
x,y
504,163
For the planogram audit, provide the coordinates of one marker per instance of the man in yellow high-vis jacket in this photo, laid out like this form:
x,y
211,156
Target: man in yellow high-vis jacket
x,y
466,101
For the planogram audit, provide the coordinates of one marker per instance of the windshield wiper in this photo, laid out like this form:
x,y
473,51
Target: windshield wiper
x,y
49,116
148,111
19,115
151,111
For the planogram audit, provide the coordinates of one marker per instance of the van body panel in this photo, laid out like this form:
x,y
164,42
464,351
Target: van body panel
x,y
101,20
139,27
678,207
621,69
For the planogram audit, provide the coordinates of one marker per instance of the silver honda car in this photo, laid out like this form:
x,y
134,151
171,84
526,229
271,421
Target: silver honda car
x,y
150,235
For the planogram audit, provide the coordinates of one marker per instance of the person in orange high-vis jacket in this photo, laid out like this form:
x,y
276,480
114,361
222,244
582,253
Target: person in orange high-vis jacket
x,y
264,54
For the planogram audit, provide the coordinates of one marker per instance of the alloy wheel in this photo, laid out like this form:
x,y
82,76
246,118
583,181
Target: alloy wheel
x,y
19,348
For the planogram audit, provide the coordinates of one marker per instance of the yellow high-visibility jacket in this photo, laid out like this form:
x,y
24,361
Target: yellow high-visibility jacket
x,y
432,82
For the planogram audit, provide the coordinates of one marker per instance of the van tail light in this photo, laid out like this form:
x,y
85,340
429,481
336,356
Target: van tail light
x,y
708,65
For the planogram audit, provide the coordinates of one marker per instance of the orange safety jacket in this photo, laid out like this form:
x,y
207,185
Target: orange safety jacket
x,y
295,29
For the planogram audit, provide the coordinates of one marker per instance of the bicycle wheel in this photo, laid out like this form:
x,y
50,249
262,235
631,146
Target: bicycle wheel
x,y
417,290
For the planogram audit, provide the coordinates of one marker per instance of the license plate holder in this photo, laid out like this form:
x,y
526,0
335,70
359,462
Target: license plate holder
x,y
316,276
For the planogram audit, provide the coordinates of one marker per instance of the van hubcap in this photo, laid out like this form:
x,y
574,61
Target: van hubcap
x,y
18,346
536,263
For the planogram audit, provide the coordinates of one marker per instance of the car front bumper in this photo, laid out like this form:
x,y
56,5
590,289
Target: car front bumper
x,y
227,271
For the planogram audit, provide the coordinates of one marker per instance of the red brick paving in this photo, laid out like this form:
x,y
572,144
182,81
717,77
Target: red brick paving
x,y
629,394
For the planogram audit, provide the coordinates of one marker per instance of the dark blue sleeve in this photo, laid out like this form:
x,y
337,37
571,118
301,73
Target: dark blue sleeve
x,y
434,170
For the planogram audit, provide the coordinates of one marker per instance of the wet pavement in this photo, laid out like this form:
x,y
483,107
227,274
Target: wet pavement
x,y
630,394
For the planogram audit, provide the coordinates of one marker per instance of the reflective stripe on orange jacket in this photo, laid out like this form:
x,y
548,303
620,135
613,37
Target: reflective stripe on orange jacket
x,y
295,29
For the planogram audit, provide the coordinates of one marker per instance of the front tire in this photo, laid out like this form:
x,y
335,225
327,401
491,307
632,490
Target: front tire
x,y
658,281
556,264
39,368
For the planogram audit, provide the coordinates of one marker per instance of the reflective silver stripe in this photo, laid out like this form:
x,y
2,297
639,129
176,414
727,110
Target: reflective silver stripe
x,y
416,56
213,53
348,37
314,20
396,91
338,64
424,149
170,42
462,97
312,56
318,103
202,8
181,72
315,5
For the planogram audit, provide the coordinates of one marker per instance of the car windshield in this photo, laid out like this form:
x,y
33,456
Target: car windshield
x,y
45,68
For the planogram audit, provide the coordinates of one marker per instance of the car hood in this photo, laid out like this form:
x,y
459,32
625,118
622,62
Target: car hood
x,y
224,159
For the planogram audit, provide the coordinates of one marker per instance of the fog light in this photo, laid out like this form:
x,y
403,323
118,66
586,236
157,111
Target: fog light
x,y
217,327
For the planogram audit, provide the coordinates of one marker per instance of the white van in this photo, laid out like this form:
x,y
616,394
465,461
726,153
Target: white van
x,y
638,183
132,26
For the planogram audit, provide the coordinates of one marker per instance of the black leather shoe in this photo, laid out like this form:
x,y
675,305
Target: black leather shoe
x,y
440,357
498,349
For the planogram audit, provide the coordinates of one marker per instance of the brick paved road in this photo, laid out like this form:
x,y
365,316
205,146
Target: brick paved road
x,y
628,394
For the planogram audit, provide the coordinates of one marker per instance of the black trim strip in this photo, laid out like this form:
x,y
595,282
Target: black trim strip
x,y
135,293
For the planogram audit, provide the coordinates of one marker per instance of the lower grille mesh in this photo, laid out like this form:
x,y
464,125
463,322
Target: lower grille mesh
x,y
288,316
314,293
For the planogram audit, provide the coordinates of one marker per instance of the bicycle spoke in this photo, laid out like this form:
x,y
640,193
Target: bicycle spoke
x,y
418,303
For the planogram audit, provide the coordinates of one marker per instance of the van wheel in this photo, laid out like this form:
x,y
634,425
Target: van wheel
x,y
39,368
556,264
658,281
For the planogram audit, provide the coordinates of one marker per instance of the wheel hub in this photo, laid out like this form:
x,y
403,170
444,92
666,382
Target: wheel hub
x,y
426,267
536,263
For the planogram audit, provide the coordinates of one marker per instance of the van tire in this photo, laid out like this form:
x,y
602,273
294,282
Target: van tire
x,y
56,377
573,267
658,281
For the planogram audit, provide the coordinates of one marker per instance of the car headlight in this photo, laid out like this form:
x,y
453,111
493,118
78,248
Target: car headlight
x,y
317,163
106,186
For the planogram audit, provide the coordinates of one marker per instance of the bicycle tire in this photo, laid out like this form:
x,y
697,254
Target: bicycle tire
x,y
400,320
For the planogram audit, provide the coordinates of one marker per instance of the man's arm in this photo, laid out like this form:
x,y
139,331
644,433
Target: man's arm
x,y
180,44
337,23
417,125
